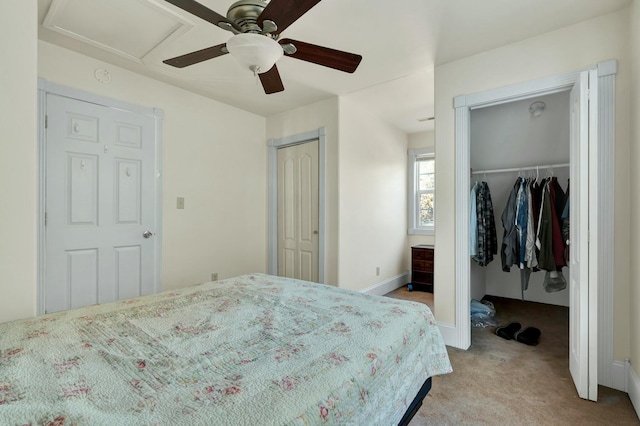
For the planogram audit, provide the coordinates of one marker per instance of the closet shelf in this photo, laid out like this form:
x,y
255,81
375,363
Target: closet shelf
x,y
519,169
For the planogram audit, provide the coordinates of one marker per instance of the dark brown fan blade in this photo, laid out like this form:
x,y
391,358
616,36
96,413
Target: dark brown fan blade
x,y
285,12
336,59
203,12
271,81
197,56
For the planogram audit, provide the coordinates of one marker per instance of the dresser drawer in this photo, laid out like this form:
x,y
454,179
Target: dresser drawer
x,y
423,265
422,254
418,277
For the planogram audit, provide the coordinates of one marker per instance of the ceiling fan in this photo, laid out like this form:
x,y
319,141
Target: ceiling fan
x,y
256,25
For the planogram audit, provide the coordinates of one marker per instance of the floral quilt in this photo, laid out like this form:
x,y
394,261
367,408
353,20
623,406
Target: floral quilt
x,y
251,350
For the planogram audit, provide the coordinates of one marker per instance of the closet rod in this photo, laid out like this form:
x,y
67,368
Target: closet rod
x,y
520,169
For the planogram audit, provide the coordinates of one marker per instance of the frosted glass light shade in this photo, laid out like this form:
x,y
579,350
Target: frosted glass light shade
x,y
255,51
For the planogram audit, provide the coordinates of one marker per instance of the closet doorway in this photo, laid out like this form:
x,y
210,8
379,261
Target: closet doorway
x,y
510,143
593,123
277,187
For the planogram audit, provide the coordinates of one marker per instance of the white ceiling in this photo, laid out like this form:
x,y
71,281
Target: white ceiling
x,y
400,43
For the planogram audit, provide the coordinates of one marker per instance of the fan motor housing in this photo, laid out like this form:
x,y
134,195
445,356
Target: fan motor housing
x,y
245,13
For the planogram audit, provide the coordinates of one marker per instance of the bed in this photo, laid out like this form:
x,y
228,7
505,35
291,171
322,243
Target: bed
x,y
251,350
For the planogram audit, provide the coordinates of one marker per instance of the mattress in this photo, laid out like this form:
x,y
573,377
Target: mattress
x,y
251,350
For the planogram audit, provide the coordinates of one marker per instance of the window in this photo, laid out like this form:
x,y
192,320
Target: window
x,y
422,191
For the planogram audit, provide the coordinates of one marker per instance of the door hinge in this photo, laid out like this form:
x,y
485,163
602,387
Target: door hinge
x,y
45,218
46,121
588,94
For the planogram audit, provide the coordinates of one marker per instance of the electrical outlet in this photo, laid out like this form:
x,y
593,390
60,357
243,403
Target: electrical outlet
x,y
377,270
180,203
214,276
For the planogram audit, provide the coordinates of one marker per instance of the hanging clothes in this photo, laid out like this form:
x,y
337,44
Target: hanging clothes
x,y
531,258
566,225
536,200
554,280
522,217
490,222
525,236
544,234
556,196
534,220
509,249
487,241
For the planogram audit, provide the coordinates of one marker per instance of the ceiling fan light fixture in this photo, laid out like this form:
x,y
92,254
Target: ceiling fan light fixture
x,y
255,51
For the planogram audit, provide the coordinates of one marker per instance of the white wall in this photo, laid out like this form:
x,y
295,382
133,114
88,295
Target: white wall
x,y
18,159
373,198
305,119
366,189
214,156
565,50
507,136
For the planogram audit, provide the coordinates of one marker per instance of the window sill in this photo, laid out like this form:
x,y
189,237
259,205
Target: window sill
x,y
420,231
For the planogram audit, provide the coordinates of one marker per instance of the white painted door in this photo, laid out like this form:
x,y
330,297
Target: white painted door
x,y
298,211
100,200
582,310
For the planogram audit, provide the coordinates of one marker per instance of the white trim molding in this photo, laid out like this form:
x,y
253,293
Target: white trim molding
x,y
606,149
634,389
462,262
449,334
619,373
272,239
388,285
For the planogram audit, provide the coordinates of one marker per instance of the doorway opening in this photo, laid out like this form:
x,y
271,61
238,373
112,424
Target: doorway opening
x,y
510,144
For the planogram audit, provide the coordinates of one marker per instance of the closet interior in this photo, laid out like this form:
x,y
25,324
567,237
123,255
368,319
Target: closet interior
x,y
510,143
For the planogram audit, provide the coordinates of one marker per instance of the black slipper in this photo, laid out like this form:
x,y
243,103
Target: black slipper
x,y
528,336
508,331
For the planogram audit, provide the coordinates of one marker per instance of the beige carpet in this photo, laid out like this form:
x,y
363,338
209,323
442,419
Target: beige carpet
x,y
501,382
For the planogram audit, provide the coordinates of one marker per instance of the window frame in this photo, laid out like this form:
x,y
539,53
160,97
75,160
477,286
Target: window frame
x,y
413,212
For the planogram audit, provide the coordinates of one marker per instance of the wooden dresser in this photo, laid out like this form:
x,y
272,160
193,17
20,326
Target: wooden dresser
x,y
422,268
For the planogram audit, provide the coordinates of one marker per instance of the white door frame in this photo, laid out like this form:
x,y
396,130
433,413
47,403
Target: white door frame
x,y
274,145
610,372
46,87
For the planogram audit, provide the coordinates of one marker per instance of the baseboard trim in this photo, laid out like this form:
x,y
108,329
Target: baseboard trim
x,y
449,334
634,390
388,285
618,374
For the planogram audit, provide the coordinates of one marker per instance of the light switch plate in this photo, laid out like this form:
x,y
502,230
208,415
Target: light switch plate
x,y
180,203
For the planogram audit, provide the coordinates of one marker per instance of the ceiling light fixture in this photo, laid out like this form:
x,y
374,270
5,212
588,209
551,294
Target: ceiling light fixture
x,y
536,109
257,52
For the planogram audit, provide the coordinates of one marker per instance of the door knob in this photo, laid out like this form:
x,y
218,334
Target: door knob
x,y
147,234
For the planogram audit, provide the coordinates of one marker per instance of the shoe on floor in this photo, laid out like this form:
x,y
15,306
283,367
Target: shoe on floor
x,y
508,331
528,336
